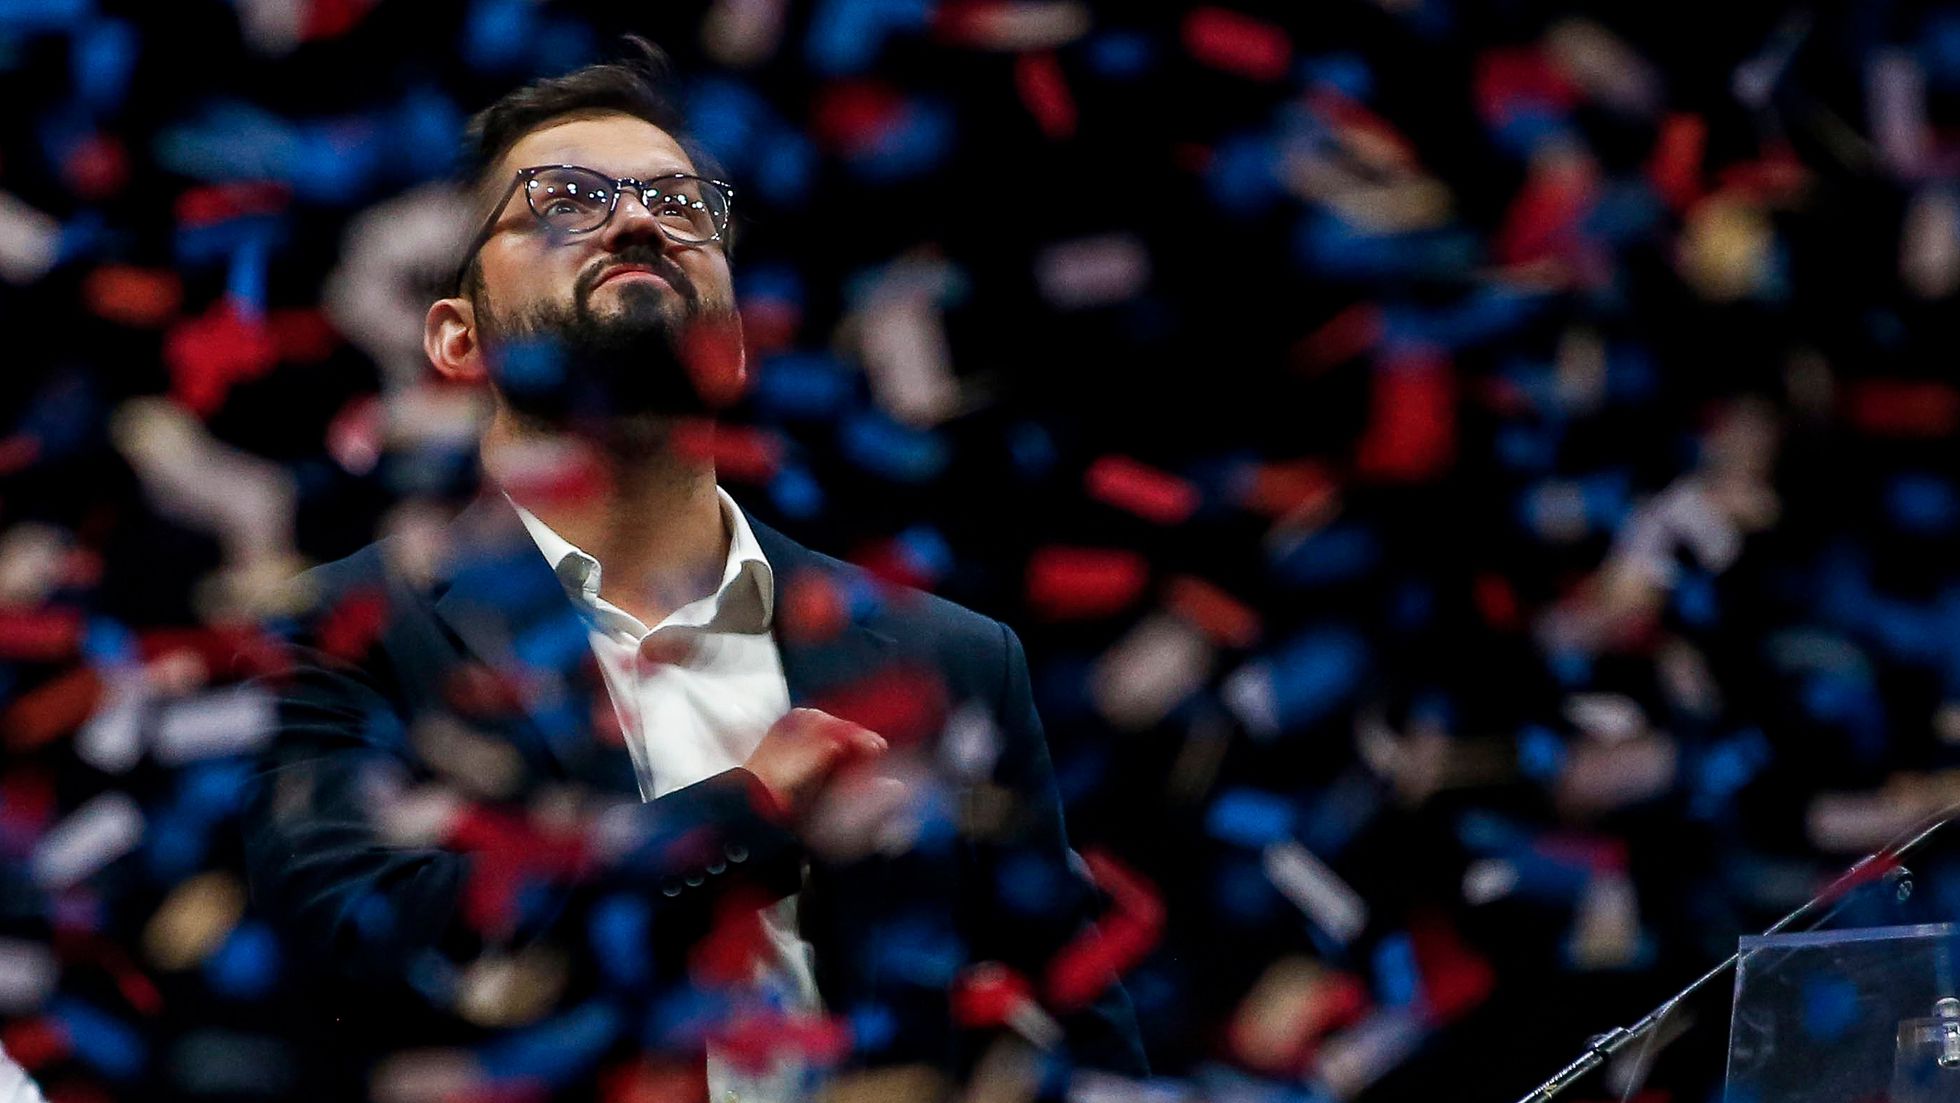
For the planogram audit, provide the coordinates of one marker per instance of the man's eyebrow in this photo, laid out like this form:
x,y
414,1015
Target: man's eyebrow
x,y
651,174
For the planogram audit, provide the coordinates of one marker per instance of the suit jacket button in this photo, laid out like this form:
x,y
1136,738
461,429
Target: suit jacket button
x,y
736,852
717,867
670,888
694,880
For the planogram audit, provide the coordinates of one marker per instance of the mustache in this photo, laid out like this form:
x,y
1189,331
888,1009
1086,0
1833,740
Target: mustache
x,y
638,255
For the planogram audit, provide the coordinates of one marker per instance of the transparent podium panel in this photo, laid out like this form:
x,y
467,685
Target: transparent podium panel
x,y
1858,1016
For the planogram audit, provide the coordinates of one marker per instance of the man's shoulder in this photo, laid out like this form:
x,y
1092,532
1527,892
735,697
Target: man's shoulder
x,y
912,615
371,572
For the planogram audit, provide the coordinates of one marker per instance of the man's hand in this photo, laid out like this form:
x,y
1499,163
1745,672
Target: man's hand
x,y
803,750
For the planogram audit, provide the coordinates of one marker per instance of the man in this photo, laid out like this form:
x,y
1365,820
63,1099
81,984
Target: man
x,y
628,771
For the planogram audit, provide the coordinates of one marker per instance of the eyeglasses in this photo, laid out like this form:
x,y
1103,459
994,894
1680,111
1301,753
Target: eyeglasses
x,y
571,199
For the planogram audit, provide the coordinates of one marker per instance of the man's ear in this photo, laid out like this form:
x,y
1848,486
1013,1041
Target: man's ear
x,y
450,340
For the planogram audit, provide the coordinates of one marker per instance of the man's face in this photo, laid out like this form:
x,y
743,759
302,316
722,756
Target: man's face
x,y
617,302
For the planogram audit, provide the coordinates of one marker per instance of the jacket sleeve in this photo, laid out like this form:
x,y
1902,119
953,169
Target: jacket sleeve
x,y
374,913
1102,1035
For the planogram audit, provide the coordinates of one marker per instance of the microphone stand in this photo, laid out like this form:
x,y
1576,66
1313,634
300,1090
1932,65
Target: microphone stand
x,y
1881,865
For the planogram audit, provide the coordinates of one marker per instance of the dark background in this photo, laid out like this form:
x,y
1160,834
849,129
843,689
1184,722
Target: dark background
x,y
1421,311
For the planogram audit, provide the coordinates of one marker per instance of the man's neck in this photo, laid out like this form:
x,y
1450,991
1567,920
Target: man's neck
x,y
644,508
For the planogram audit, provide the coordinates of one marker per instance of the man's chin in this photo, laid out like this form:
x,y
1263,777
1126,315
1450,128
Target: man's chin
x,y
635,302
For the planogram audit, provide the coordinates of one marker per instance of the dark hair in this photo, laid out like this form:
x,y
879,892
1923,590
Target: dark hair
x,y
637,85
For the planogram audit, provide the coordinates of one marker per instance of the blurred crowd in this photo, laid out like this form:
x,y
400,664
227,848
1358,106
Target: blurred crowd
x,y
1476,478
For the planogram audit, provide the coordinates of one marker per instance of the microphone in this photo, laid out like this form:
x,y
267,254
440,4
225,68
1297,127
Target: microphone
x,y
1947,1011
1881,865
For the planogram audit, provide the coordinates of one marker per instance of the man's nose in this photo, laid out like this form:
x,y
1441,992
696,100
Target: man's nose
x,y
632,220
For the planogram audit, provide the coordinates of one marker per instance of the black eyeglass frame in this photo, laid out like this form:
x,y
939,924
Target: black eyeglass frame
x,y
619,186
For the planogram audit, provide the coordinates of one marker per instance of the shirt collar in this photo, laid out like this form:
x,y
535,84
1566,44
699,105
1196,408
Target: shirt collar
x,y
744,601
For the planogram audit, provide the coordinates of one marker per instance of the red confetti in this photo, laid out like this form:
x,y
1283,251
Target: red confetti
x,y
755,1042
1076,583
1140,489
475,691
1602,855
744,453
43,636
97,167
1238,44
1345,336
133,296
854,117
90,948
648,1081
1222,617
26,809
716,361
1497,601
1774,177
1509,80
769,325
226,650
579,475
1284,489
1454,979
1903,408
903,703
963,21
889,562
1676,165
1546,220
351,626
988,994
509,854
1091,963
1039,80
33,1043
333,18
49,711
811,607
729,952
1411,433
207,355
302,335
215,203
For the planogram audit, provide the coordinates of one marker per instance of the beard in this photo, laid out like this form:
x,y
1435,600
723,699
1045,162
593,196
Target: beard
x,y
566,367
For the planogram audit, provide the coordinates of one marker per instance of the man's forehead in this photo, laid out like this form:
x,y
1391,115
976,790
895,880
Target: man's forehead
x,y
619,144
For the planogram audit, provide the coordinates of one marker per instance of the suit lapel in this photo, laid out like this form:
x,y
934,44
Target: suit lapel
x,y
839,911
814,668
502,600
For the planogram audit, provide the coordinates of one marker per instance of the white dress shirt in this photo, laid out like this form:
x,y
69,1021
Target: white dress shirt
x,y
694,695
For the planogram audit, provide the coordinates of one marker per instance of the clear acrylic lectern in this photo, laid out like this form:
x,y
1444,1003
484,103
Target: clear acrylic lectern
x,y
1847,1016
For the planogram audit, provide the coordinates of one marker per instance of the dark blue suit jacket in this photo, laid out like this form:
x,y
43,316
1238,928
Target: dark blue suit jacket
x,y
385,924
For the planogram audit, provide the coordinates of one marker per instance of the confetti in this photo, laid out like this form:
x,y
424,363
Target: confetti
x,y
91,837
1137,488
1150,672
1070,583
1335,907
1238,43
1091,272
1462,444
